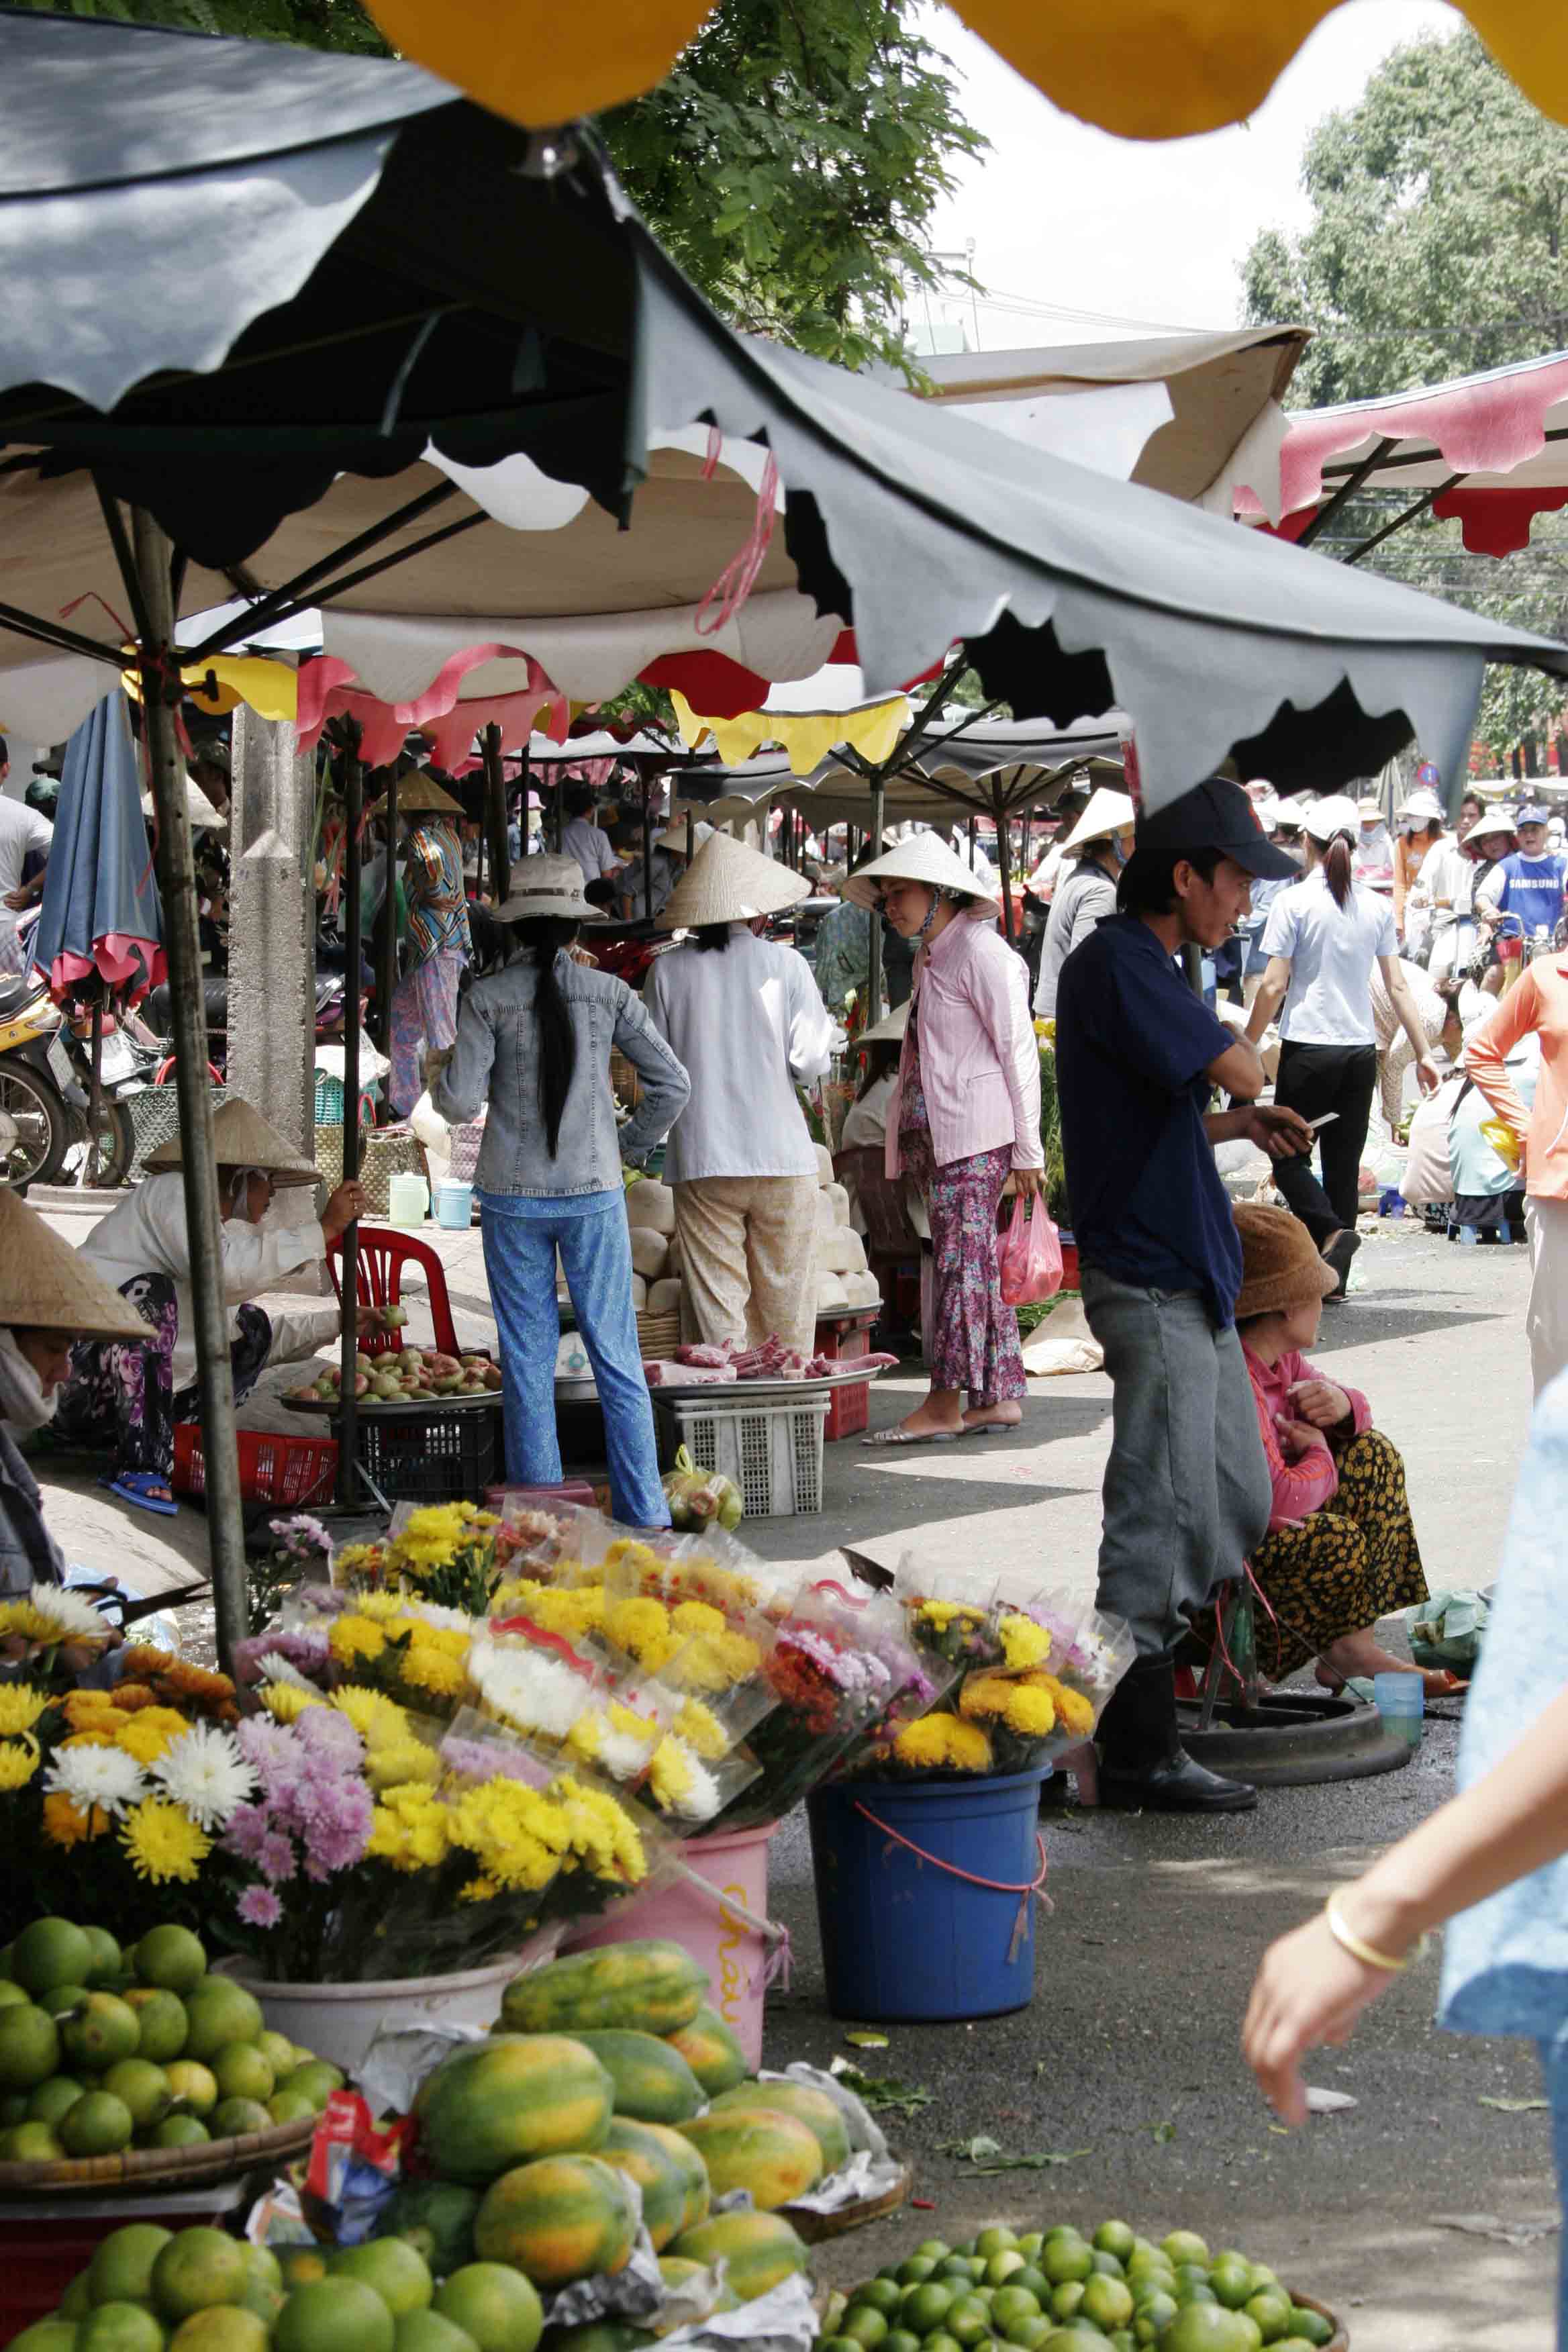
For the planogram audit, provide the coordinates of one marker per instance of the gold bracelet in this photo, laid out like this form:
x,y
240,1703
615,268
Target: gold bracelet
x,y
1347,1939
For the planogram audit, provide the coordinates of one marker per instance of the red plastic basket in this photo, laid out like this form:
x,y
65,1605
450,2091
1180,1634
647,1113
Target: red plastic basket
x,y
272,1469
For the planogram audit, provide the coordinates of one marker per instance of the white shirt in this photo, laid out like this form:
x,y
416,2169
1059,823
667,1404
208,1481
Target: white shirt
x,y
1332,950
748,1025
146,1233
1448,873
23,830
591,846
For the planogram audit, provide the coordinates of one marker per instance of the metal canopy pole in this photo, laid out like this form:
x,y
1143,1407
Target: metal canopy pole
x,y
348,1420
874,977
495,815
1005,857
648,787
187,1013
388,974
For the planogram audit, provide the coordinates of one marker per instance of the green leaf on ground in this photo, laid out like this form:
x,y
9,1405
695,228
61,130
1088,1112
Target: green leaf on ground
x,y
883,2094
988,2155
1164,2132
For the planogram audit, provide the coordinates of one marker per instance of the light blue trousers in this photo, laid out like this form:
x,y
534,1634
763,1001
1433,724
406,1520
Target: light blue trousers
x,y
522,1235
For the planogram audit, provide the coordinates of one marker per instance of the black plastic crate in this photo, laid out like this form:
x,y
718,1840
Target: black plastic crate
x,y
433,1456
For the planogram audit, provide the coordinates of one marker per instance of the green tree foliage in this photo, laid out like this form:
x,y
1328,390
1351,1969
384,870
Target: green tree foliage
x,y
1438,247
791,165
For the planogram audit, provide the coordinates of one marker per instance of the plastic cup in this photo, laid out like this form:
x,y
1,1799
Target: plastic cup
x,y
1401,1700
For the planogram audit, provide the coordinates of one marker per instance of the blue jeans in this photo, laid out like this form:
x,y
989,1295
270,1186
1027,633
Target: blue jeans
x,y
521,1234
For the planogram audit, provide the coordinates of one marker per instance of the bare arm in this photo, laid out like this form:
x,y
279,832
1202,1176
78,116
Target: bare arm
x,y
1239,1069
1402,998
1270,995
1310,1991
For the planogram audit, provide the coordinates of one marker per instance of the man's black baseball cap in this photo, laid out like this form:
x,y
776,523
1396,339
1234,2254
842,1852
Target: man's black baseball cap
x,y
1216,815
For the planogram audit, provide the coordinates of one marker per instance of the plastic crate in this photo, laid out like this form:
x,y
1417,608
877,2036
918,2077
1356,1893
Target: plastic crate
x,y
330,1102
773,1452
272,1469
435,1456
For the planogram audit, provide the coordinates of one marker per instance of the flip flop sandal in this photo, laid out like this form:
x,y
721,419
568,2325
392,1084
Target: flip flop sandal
x,y
897,1437
990,1429
135,1487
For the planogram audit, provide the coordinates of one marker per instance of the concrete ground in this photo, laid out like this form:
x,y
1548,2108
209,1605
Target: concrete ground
x,y
1126,2063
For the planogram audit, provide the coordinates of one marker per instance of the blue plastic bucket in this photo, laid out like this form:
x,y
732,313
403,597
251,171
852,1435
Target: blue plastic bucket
x,y
455,1204
904,1939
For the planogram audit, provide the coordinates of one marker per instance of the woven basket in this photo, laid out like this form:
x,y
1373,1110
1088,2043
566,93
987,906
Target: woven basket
x,y
156,1117
140,2169
659,1335
626,1081
389,1152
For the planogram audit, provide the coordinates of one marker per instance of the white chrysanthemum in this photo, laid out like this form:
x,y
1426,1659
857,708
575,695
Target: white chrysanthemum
x,y
689,1790
71,1611
276,1668
455,1621
535,1692
104,1777
206,1774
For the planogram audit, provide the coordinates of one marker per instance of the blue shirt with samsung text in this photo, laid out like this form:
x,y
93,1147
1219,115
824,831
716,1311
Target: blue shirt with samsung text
x,y
1132,1047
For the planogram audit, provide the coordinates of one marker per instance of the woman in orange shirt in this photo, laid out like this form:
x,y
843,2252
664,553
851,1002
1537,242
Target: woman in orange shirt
x,y
1421,822
1537,1003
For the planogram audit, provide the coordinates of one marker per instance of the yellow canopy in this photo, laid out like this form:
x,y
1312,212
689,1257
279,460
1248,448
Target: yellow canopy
x,y
1142,69
808,736
271,688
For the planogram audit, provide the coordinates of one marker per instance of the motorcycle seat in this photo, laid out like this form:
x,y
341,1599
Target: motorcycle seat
x,y
15,993
159,1012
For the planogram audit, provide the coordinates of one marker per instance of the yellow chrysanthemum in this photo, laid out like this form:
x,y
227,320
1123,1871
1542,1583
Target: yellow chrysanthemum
x,y
162,1843
479,1890
370,1711
354,1638
19,1760
402,1762
941,1740
1023,1643
92,1711
96,1736
20,1708
641,1627
433,1671
409,1829
701,1729
1074,1712
714,1662
671,1776
1025,1705
285,1703
690,1617
516,1597
66,1825
600,1834
352,1559
516,1834
148,1733
379,1606
639,1557
21,1617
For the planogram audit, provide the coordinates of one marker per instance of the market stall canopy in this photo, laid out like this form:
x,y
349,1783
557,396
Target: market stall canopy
x,y
1489,450
1193,416
442,447
1140,69
806,718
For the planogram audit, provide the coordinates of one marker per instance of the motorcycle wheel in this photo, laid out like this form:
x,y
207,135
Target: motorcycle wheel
x,y
35,1126
116,1149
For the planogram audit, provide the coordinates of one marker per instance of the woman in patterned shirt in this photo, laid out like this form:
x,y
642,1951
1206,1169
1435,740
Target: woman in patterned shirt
x,y
425,1002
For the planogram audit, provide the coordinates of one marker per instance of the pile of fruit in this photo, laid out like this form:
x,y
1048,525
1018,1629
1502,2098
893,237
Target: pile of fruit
x,y
412,1376
1057,2290
103,2050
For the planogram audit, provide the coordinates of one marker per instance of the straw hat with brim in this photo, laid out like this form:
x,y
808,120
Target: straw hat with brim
x,y
44,1286
548,885
1108,813
419,795
1493,820
923,858
674,837
728,883
1280,1266
1369,812
241,1139
889,1031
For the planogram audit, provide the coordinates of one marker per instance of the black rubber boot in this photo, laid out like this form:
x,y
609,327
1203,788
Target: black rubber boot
x,y
1144,1765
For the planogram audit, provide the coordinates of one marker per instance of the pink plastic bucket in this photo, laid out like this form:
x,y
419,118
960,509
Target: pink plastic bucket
x,y
734,1954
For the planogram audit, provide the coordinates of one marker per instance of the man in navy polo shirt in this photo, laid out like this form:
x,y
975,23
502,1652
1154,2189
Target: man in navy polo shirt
x,y
1188,1492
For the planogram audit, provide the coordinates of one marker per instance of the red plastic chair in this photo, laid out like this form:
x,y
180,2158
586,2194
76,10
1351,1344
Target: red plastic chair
x,y
381,1258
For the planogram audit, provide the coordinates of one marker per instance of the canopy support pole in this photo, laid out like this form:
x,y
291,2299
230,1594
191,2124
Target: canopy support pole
x,y
348,1417
1004,858
1347,491
1409,514
94,1096
647,791
388,974
874,977
526,781
495,815
160,667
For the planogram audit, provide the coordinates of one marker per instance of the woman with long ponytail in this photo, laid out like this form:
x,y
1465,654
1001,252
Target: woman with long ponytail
x,y
534,1046
1323,938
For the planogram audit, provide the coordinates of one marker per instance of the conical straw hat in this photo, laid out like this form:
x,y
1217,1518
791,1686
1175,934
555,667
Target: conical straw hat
x,y
421,795
1107,812
44,1286
241,1139
728,883
923,858
889,1029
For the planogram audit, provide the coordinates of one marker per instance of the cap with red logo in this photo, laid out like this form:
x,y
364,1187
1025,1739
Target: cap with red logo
x,y
1216,815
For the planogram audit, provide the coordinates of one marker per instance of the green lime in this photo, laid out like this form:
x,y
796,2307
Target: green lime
x,y
1001,2267
883,2294
1231,2280
836,2344
192,2086
98,2124
926,2306
863,2325
994,2240
29,2048
1209,2327
46,2336
1065,2260
1030,2333
1114,2237
199,2268
1074,2339
1270,2312
51,1952
218,2012
1107,2301
941,2341
900,2340
171,1957
957,2266
1067,2300
1033,2280
161,2019
1154,2317
396,2271
427,2331
1197,2294
179,2131
61,2000
11,1994
316,2079
1311,2324
917,2268
31,2143
121,2270
48,2103
497,2306
144,2089
76,2301
1186,2246
1109,2265
107,1961
233,2118
231,2327
119,2327
99,2032
1012,2304
335,2314
969,2320
288,2107
934,2247
241,2071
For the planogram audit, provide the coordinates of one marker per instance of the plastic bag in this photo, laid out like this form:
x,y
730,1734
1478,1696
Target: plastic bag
x,y
1029,1256
1447,1630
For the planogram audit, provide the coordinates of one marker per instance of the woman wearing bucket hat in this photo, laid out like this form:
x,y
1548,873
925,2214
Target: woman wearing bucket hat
x,y
425,1002
533,1044
744,1015
1101,842
126,1398
50,1301
1323,938
967,1118
1341,1551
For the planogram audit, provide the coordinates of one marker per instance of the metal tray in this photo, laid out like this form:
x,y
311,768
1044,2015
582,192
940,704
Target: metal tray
x,y
384,1408
763,1392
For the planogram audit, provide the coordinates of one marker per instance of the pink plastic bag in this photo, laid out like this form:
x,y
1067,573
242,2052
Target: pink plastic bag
x,y
1029,1256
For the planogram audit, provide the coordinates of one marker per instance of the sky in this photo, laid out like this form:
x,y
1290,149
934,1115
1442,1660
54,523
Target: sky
x,y
1146,235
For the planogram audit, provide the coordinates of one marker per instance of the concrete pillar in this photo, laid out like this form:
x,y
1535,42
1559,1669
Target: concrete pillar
x,y
272,936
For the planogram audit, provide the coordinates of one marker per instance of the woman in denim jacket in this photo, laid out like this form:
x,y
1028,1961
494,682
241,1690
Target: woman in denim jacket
x,y
533,1044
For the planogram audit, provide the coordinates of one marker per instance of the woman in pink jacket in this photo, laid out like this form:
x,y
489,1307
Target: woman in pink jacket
x,y
1341,1551
965,1115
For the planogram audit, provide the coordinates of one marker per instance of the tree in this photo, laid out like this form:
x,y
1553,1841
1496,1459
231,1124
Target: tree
x,y
791,163
1437,248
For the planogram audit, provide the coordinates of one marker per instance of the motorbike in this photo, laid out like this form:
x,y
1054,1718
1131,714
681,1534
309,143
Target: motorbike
x,y
46,1080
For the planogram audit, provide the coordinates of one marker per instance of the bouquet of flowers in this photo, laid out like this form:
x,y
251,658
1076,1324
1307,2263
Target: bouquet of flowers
x,y
443,1552
56,1633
